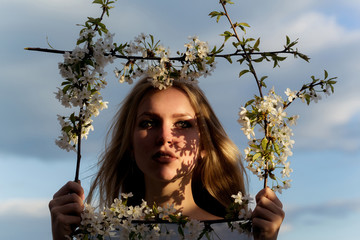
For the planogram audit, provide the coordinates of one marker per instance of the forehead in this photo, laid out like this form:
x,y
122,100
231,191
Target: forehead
x,y
170,100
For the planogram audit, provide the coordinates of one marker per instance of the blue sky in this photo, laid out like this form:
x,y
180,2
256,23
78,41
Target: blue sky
x,y
324,201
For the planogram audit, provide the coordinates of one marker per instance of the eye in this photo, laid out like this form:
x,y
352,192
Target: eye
x,y
183,124
147,124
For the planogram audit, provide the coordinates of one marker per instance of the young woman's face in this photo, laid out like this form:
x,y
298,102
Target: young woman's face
x,y
166,136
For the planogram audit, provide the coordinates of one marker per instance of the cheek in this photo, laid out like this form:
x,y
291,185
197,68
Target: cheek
x,y
191,141
189,146
139,150
140,137
140,143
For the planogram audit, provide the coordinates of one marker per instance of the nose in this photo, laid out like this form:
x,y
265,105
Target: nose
x,y
165,135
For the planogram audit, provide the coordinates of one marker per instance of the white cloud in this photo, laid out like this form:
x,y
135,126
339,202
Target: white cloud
x,y
337,208
352,4
327,124
58,7
24,207
318,32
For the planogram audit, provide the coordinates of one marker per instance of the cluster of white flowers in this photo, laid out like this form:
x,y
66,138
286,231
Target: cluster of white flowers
x,y
83,71
244,212
120,221
273,150
313,94
159,67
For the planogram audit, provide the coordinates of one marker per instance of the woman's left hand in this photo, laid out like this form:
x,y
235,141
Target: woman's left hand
x,y
267,215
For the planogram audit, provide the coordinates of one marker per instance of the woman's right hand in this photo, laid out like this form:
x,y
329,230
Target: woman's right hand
x,y
65,208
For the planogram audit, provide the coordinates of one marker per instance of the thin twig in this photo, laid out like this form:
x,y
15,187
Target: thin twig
x,y
252,70
78,157
266,175
204,221
182,58
247,55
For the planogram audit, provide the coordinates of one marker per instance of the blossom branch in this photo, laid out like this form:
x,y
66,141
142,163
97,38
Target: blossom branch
x,y
247,56
78,155
180,59
258,83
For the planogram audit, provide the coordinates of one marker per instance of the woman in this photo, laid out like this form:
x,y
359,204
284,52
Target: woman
x,y
168,147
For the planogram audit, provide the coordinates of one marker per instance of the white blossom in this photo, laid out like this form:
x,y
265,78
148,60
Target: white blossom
x,y
238,198
291,94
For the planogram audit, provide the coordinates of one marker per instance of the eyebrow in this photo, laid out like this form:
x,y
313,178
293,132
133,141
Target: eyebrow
x,y
175,115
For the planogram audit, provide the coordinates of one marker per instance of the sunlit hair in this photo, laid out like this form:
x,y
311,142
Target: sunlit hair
x,y
217,175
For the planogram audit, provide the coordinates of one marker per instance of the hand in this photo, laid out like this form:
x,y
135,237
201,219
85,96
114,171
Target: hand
x,y
267,215
65,208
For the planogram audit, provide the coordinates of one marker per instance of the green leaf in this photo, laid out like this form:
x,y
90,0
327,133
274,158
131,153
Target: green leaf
x,y
326,74
263,78
241,60
308,99
217,15
228,58
227,35
256,156
249,102
272,176
256,45
264,143
250,40
277,148
72,118
243,72
80,41
67,129
214,14
65,83
304,57
98,2
211,60
258,60
280,58
332,88
181,231
66,88
236,44
243,24
152,39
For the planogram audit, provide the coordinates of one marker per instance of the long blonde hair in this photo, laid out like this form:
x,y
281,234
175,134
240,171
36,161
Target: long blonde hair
x,y
217,175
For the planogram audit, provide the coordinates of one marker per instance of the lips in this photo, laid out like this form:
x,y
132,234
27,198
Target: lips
x,y
164,157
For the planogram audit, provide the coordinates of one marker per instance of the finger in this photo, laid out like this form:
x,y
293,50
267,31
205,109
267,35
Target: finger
x,y
66,199
265,229
71,209
269,212
270,206
67,220
70,187
268,193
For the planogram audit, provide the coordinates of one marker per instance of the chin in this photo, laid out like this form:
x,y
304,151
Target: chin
x,y
168,176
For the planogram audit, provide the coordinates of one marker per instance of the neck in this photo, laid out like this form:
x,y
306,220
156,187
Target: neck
x,y
177,192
